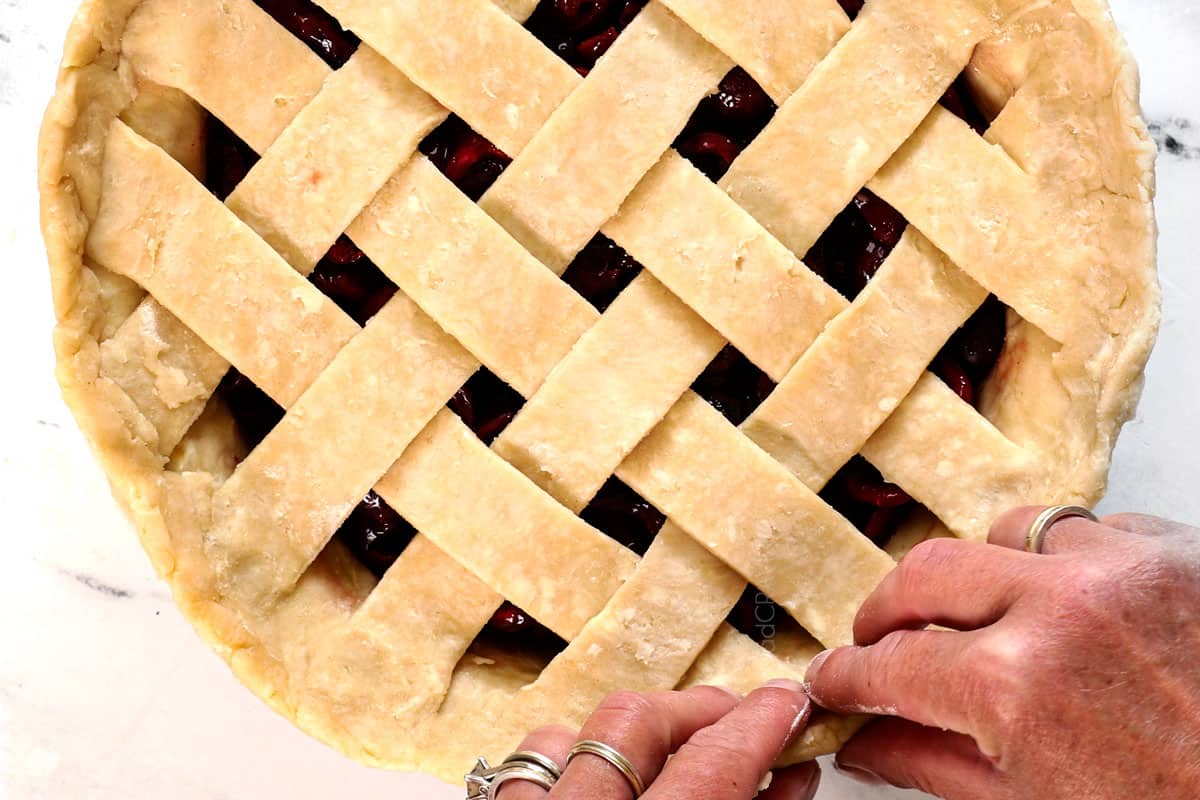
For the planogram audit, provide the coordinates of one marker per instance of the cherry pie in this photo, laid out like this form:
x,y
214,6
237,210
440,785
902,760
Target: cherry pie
x,y
462,362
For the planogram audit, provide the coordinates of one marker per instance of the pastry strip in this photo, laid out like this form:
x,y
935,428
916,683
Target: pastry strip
x,y
502,524
505,83
778,42
373,399
640,357
160,236
986,214
866,361
746,508
334,157
722,263
241,36
858,105
516,316
595,147
646,637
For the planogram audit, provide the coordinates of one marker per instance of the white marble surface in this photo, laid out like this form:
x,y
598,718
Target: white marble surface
x,y
104,690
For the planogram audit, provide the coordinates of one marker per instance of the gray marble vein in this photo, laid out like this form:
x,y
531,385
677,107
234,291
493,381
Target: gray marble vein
x,y
1176,137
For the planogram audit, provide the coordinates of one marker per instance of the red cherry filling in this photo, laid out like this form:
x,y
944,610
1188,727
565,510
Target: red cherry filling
x,y
314,26
510,619
601,271
955,376
855,245
733,385
376,534
486,404
861,495
758,616
725,123
852,7
581,31
510,625
348,277
712,153
227,159
976,346
254,412
624,515
868,487
958,102
471,162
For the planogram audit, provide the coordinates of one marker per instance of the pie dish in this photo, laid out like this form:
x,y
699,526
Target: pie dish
x,y
628,308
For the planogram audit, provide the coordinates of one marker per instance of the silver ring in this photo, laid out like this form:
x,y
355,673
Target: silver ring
x,y
1036,537
485,781
601,750
522,772
537,759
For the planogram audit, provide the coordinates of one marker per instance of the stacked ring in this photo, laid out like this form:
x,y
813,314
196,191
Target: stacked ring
x,y
537,760
485,781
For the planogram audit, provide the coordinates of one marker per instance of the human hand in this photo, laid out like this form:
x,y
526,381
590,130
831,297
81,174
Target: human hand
x,y
1069,674
721,747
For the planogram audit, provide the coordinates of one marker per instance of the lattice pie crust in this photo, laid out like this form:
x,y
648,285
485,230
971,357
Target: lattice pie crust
x,y
159,287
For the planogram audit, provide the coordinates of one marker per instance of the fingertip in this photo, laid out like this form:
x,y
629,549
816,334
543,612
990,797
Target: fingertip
x,y
800,701
814,671
799,696
715,696
799,782
859,774
786,683
740,749
728,692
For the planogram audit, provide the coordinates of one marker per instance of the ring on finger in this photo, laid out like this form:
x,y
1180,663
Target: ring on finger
x,y
484,781
537,760
620,762
1035,539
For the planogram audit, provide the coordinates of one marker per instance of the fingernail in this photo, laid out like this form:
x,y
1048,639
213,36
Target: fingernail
x,y
729,692
786,683
802,714
813,668
859,774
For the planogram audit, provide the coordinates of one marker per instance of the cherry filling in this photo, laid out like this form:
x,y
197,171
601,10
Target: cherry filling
x,y
847,256
470,161
486,404
314,26
624,515
852,7
725,123
580,31
855,245
601,271
958,101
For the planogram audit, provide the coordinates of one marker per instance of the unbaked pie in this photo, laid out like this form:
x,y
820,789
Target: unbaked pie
x,y
623,344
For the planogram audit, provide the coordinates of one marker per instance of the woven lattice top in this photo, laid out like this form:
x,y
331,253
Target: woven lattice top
x,y
379,669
